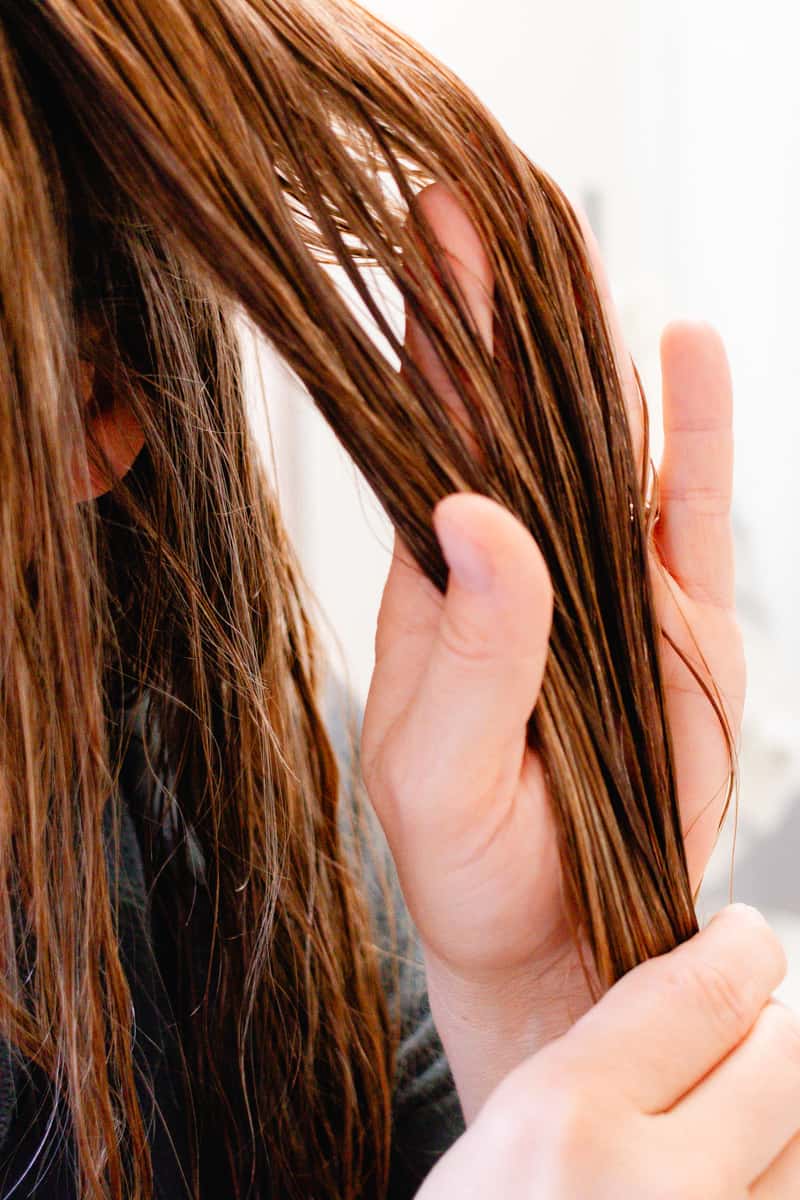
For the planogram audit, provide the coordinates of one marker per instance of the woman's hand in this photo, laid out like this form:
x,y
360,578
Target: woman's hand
x,y
461,797
684,1082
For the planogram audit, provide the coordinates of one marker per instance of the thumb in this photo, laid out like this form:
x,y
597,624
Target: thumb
x,y
468,720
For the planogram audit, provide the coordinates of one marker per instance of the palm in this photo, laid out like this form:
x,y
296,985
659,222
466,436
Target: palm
x,y
508,819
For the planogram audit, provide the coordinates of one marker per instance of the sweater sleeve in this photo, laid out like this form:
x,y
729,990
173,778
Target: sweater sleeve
x,y
427,1115
426,1112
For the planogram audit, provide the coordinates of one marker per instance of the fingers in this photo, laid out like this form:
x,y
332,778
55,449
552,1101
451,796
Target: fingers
x,y
465,255
782,1180
471,272
754,1096
693,533
488,657
672,1020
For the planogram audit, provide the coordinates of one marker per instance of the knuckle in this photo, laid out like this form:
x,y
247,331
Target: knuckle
x,y
707,501
715,992
573,1121
781,1027
692,1170
467,638
580,1137
674,1183
704,1186
708,1176
543,1099
563,1104
511,1115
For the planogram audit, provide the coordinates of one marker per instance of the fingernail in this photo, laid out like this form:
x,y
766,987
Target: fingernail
x,y
469,563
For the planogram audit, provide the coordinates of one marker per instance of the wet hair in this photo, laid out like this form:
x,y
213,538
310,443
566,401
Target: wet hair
x,y
165,165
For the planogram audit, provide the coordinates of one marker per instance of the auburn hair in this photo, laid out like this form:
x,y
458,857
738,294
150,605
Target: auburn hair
x,y
165,165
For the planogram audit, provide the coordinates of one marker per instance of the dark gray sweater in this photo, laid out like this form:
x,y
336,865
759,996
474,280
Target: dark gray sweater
x,y
36,1153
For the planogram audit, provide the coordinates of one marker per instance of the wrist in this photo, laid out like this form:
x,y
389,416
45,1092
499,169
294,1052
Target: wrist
x,y
490,1024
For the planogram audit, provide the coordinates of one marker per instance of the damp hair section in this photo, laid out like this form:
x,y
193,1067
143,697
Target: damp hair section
x,y
165,165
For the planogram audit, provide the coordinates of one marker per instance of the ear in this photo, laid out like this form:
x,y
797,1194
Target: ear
x,y
114,437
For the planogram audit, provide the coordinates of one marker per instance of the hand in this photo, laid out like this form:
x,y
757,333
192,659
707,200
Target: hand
x,y
461,798
684,1081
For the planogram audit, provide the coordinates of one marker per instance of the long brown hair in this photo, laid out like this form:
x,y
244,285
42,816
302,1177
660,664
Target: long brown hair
x,y
162,161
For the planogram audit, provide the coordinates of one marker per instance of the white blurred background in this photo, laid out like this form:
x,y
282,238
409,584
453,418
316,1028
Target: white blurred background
x,y
677,126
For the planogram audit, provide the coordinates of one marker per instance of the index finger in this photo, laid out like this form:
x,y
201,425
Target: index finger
x,y
465,259
694,533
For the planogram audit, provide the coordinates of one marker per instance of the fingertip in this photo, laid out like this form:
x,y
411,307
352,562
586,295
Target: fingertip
x,y
446,214
469,507
744,915
486,520
684,336
497,534
755,939
469,561
697,385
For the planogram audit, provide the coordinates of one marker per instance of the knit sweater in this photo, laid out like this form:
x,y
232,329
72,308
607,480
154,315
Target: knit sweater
x,y
36,1151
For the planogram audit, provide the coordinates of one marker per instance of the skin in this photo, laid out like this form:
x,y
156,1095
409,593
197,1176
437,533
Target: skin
x,y
684,1080
462,799
119,436
644,1096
